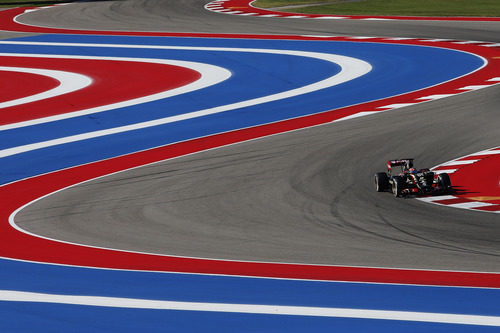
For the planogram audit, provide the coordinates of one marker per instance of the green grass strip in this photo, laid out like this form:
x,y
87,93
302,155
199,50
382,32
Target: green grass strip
x,y
389,7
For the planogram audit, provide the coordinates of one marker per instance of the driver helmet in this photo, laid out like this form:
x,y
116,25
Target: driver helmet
x,y
413,170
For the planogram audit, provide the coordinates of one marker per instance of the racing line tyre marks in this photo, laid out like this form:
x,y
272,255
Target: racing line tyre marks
x,y
21,244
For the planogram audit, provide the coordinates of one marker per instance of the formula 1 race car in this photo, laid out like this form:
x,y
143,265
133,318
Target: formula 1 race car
x,y
410,181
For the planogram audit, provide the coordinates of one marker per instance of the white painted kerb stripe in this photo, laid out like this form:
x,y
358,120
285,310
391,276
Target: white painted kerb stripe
x,y
133,303
437,198
68,82
396,106
487,152
434,97
471,204
210,75
455,162
444,170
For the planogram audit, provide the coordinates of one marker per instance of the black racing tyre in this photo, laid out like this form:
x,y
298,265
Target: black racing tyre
x,y
397,186
381,182
444,182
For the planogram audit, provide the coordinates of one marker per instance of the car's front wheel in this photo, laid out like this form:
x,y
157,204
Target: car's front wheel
x,y
444,182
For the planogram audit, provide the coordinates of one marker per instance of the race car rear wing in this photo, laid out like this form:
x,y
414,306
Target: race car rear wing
x,y
405,163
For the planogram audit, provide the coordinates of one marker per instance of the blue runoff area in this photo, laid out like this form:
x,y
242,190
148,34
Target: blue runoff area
x,y
33,317
63,280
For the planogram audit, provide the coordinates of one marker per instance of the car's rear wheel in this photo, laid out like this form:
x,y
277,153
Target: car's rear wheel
x,y
381,182
397,186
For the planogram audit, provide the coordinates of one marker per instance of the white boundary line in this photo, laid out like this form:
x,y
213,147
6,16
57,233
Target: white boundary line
x,y
134,303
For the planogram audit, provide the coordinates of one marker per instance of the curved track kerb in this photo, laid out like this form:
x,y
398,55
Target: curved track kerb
x,y
245,8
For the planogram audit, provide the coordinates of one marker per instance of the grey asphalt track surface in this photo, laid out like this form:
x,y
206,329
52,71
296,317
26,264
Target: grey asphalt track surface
x,y
303,197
